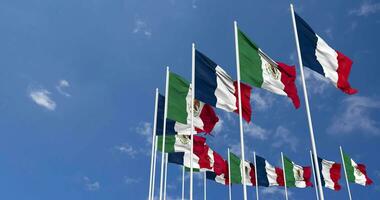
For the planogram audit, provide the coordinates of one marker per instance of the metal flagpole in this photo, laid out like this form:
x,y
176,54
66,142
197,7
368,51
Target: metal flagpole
x,y
256,180
183,182
153,145
192,117
164,131
315,178
240,107
166,174
154,167
283,167
204,186
345,172
313,146
229,175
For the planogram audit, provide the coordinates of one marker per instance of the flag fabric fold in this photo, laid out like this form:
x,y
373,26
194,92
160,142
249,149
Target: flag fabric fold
x,y
259,70
296,175
267,175
215,87
330,173
356,173
321,58
236,167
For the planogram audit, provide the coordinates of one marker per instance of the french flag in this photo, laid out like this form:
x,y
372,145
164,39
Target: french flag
x,y
267,175
330,172
320,57
215,87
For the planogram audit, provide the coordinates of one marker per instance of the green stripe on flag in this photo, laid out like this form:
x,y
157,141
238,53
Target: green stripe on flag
x,y
250,61
178,90
289,173
169,143
235,169
349,168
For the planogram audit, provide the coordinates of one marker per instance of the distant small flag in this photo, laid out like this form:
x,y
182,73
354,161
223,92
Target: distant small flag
x,y
222,179
296,175
236,167
267,175
258,70
181,143
330,172
356,173
215,87
321,58
183,158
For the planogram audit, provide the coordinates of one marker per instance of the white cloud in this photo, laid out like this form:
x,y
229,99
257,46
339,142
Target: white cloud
x,y
218,127
366,8
274,191
62,84
91,185
127,149
194,4
145,129
129,180
283,137
355,114
41,97
315,82
256,131
262,100
142,27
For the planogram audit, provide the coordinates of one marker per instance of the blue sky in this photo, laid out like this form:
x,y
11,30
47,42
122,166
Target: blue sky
x,y
77,88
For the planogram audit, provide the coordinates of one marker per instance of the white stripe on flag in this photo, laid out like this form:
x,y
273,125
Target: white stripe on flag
x,y
359,176
271,174
328,58
271,77
326,166
225,90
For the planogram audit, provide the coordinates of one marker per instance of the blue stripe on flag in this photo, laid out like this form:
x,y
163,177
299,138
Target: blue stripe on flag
x,y
176,158
160,118
210,175
205,79
320,170
262,178
308,44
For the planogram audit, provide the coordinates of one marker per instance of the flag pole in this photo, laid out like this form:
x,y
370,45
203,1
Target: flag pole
x,y
313,145
345,172
283,167
229,175
153,144
315,178
192,117
204,186
164,131
183,182
240,107
166,174
256,180
154,167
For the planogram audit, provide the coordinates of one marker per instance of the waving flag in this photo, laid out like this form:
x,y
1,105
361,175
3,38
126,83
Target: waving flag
x,y
222,179
321,58
356,173
267,175
258,70
215,87
182,143
330,172
236,167
296,175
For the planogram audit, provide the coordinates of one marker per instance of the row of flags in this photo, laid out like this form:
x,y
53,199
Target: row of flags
x,y
188,109
230,171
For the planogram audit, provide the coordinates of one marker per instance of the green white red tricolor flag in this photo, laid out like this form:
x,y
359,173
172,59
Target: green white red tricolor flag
x,y
356,173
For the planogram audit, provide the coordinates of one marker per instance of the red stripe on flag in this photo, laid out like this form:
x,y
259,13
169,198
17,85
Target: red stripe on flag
x,y
288,78
252,174
307,176
245,100
344,68
363,170
209,119
335,175
280,176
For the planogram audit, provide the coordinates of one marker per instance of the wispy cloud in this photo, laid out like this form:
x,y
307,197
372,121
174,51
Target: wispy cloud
x,y
355,114
283,136
91,185
218,127
62,85
130,180
145,129
329,32
142,27
316,83
366,8
194,4
127,149
262,100
256,131
42,98
274,191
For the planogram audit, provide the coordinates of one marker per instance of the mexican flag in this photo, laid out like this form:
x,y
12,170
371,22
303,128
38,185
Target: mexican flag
x,y
296,175
356,173
179,108
236,167
259,70
181,143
